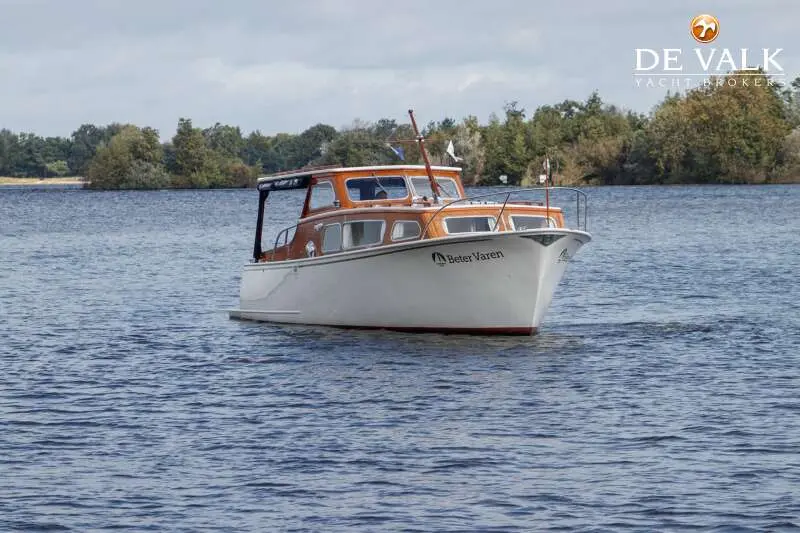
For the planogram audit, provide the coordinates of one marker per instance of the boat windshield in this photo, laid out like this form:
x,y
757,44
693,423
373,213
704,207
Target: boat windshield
x,y
422,187
377,188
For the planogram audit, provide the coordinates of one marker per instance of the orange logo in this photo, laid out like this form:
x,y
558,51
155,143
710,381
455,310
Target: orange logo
x,y
704,28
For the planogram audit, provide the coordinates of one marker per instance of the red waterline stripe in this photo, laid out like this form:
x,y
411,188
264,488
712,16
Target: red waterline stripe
x,y
459,331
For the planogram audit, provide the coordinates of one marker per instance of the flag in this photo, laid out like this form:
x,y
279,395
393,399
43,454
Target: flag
x,y
451,151
398,151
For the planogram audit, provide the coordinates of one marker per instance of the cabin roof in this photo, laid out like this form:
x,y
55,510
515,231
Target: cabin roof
x,y
299,179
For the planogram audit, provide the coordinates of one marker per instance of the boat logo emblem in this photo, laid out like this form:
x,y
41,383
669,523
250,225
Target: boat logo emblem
x,y
439,259
564,257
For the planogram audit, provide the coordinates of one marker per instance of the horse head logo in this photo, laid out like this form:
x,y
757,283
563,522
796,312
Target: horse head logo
x,y
704,28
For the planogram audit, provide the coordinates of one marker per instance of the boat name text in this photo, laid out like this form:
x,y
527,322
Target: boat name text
x,y
475,257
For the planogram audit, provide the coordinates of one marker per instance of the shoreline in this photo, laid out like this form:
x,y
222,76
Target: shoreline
x,y
31,182
77,181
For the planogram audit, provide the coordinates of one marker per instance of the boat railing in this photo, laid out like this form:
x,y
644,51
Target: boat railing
x,y
581,204
581,210
285,234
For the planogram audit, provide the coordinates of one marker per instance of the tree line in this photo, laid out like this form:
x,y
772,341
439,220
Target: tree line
x,y
736,129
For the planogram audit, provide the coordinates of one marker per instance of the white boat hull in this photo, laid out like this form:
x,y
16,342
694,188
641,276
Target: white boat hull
x,y
471,283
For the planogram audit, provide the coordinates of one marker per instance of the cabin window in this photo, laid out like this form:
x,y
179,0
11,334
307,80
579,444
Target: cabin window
x,y
469,224
521,222
362,233
322,195
422,187
332,238
405,229
377,188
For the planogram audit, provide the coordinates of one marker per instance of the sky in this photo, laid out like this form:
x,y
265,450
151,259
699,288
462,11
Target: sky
x,y
285,66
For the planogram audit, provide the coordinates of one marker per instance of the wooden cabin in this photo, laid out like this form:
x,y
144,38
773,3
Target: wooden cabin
x,y
348,209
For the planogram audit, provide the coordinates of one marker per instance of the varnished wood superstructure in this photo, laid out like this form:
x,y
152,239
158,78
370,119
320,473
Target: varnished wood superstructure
x,y
343,206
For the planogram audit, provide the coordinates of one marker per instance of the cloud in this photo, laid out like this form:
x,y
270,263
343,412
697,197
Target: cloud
x,y
285,66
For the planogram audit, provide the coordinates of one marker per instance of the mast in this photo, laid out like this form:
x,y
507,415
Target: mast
x,y
421,141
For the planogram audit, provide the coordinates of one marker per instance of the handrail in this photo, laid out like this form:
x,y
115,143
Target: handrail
x,y
578,194
285,233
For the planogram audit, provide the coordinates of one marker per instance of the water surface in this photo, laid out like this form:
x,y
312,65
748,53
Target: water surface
x,y
661,394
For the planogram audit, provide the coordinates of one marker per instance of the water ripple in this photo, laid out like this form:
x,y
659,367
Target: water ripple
x,y
662,393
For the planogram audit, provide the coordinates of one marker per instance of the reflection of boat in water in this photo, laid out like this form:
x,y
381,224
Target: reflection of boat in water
x,y
403,248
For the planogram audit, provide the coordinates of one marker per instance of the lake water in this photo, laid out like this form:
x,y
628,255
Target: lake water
x,y
663,392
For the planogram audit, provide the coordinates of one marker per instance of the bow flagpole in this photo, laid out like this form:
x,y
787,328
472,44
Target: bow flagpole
x,y
548,177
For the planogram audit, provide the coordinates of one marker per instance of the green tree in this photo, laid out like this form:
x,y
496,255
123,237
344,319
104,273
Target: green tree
x,y
507,147
788,167
791,99
10,153
210,157
84,144
518,155
256,149
130,160
307,148
226,141
495,151
57,168
32,161
731,131
358,146
277,158
467,144
195,163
